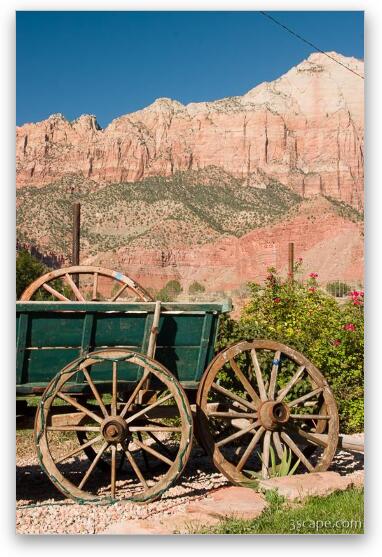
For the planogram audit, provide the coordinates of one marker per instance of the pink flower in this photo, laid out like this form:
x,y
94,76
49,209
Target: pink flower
x,y
276,300
349,327
336,342
313,275
357,297
312,289
300,260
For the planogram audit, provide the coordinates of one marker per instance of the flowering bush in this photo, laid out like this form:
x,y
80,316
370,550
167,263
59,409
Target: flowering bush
x,y
306,318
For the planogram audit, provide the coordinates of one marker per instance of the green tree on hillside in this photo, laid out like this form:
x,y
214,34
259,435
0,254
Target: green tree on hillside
x,y
196,288
28,269
169,292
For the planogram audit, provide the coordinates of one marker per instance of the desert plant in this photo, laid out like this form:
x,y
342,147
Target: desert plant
x,y
276,469
338,288
196,288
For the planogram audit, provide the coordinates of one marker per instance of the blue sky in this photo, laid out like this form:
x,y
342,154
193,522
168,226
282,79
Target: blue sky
x,y
113,63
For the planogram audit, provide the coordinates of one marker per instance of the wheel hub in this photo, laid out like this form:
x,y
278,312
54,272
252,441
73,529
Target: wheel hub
x,y
272,414
114,429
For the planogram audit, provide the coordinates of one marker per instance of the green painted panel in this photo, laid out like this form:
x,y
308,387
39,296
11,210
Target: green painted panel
x,y
43,365
180,330
103,372
119,329
56,329
182,362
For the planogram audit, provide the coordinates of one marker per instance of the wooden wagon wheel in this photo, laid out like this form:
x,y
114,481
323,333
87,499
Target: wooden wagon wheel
x,y
68,278
258,399
118,431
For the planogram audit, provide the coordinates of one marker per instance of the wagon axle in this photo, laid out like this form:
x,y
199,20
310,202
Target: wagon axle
x,y
114,429
271,414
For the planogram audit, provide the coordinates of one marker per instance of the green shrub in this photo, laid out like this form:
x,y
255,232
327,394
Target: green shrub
x,y
28,269
338,288
196,288
327,333
169,292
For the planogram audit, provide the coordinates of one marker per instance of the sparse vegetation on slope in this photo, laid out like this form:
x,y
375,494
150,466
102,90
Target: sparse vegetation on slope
x,y
190,208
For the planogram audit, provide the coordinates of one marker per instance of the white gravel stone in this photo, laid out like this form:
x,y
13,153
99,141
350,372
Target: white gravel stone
x,y
43,510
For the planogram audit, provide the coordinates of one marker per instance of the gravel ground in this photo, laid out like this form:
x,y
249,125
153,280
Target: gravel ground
x,y
46,511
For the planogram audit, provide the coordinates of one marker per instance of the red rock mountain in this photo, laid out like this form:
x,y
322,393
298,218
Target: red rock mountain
x,y
304,129
327,242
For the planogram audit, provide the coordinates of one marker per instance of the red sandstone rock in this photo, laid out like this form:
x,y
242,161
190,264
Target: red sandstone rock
x,y
236,502
301,486
305,129
328,243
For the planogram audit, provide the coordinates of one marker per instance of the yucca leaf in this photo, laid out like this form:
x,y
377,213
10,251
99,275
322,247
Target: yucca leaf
x,y
295,466
273,461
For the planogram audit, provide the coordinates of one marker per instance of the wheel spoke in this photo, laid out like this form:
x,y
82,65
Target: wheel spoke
x,y
93,465
73,286
134,393
157,428
320,439
244,381
310,417
272,381
95,286
79,449
95,392
304,397
250,448
113,469
277,444
79,406
292,445
120,291
153,452
114,391
136,469
72,428
283,392
259,376
162,445
265,455
233,396
148,408
54,293
231,415
237,434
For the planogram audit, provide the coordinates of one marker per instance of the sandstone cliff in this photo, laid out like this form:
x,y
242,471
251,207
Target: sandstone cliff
x,y
304,129
328,242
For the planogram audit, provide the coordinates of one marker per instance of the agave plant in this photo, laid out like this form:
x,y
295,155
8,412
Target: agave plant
x,y
283,468
275,470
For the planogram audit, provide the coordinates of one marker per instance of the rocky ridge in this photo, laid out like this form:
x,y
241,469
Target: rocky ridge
x,y
304,130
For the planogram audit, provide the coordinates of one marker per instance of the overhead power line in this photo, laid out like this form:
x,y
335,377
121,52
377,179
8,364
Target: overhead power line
x,y
309,43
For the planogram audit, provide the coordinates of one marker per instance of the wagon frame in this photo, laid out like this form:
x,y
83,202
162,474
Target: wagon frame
x,y
131,383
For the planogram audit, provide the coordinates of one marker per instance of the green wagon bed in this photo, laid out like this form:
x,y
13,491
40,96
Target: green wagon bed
x,y
52,334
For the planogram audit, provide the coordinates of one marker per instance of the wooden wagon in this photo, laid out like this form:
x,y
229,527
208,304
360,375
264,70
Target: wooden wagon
x,y
127,384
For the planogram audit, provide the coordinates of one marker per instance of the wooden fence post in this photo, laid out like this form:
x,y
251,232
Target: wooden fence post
x,y
76,237
291,261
